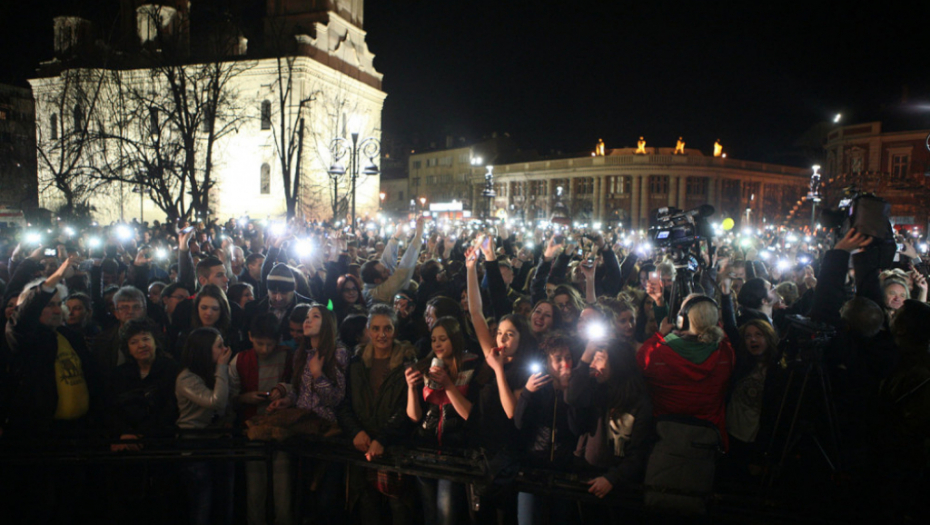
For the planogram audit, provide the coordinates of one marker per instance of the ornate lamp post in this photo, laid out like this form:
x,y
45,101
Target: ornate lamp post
x,y
488,192
341,148
814,194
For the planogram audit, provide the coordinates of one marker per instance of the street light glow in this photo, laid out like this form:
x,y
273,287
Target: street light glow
x,y
837,118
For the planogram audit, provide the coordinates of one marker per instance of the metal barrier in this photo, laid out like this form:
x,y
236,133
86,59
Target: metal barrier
x,y
465,466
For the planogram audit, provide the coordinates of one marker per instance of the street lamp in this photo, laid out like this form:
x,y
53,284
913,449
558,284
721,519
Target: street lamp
x,y
814,194
422,204
488,192
340,148
381,196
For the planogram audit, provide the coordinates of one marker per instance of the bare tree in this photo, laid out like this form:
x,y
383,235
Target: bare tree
x,y
65,142
169,118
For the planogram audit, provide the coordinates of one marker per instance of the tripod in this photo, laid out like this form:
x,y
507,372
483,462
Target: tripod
x,y
809,367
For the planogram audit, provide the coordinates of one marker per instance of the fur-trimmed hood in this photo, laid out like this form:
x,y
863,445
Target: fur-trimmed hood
x,y
402,351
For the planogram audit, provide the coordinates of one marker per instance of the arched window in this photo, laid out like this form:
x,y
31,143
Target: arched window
x,y
153,121
266,179
54,126
78,118
266,114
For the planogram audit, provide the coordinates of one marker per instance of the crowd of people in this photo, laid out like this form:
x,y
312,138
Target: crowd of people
x,y
598,352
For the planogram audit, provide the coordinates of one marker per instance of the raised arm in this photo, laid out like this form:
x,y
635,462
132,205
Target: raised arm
x,y
485,338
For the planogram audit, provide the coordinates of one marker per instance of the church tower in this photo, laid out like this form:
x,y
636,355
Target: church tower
x,y
328,31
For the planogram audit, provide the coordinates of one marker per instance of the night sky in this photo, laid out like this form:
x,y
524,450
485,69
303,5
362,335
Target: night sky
x,y
557,76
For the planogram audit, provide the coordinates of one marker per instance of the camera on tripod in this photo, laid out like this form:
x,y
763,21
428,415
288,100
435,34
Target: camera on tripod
x,y
678,233
805,339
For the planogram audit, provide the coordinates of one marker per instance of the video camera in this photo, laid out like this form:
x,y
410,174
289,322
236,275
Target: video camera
x,y
676,228
679,232
869,215
866,212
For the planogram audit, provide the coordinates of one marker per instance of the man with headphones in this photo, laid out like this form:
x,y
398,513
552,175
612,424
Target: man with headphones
x,y
688,369
687,372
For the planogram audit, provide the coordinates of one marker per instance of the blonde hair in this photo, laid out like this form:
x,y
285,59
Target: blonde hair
x,y
704,317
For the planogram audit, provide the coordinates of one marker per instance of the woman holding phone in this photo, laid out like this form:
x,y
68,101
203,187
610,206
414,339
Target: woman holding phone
x,y
440,407
507,355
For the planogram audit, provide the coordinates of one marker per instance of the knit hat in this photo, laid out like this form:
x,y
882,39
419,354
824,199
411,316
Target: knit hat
x,y
280,279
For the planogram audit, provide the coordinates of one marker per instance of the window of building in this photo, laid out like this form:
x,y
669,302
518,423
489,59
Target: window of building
x,y
658,184
266,179
445,161
78,118
430,163
696,186
54,125
730,189
417,164
899,166
153,121
266,114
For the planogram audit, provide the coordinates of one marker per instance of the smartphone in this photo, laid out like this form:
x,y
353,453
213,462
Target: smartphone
x,y
559,239
51,252
187,230
900,246
486,243
653,275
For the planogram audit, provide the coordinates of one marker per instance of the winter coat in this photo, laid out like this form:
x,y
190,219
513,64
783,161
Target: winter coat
x,y
680,386
382,416
145,406
31,397
441,424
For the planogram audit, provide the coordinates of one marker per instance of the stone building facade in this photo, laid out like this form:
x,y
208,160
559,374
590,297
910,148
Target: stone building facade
x,y
618,187
894,165
333,85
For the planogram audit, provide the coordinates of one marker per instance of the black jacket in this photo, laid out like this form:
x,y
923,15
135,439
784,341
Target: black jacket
x,y
145,406
31,399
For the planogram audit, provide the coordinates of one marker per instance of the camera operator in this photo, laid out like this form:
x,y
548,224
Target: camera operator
x,y
862,353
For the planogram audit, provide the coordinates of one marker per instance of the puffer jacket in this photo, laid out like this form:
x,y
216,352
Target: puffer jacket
x,y
382,417
442,425
198,406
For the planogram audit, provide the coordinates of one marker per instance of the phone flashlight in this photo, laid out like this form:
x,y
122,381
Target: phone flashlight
x,y
536,368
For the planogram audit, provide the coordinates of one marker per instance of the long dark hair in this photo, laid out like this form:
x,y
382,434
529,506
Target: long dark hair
x,y
556,313
528,347
626,386
326,350
454,331
198,354
214,291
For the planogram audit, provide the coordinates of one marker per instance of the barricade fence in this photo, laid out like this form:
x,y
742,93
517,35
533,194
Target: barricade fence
x,y
462,465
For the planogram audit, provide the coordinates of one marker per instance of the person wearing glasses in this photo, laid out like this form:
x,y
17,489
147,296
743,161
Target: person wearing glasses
x,y
130,304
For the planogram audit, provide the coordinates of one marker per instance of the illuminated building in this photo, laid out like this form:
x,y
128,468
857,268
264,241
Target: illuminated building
x,y
334,89
895,165
621,186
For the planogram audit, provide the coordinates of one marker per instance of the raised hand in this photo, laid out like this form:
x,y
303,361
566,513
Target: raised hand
x,y
852,241
537,381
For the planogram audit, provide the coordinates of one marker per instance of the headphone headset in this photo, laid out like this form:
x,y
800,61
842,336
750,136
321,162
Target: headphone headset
x,y
684,323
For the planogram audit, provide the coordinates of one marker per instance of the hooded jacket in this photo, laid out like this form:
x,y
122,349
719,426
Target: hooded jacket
x,y
381,416
687,377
